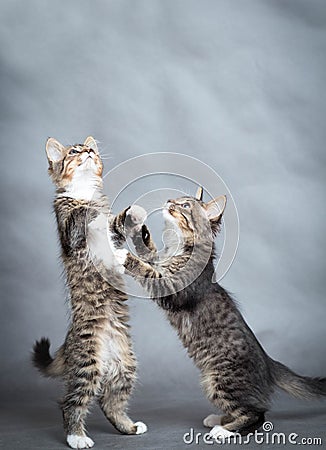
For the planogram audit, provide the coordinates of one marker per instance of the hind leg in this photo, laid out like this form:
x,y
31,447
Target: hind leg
x,y
75,408
238,422
113,399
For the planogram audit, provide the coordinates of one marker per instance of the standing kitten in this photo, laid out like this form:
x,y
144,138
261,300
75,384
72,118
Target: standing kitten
x,y
237,375
96,359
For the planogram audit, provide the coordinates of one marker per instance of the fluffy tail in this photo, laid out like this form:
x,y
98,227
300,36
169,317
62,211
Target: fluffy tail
x,y
296,385
42,360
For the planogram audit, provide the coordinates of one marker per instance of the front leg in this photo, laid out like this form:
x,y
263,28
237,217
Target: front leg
x,y
157,282
73,228
163,282
137,268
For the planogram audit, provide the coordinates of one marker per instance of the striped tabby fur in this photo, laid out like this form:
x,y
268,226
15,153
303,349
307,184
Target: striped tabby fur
x,y
96,359
238,376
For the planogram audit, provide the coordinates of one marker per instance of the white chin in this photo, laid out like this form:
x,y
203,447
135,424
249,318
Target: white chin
x,y
167,216
89,164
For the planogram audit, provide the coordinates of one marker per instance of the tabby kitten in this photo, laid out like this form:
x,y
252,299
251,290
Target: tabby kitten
x,y
96,359
238,376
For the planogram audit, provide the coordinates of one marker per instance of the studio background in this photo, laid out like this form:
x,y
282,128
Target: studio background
x,y
239,85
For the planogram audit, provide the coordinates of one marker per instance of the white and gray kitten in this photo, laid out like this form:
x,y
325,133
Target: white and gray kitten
x,y
96,360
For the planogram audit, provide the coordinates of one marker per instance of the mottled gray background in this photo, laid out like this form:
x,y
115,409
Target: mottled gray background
x,y
238,84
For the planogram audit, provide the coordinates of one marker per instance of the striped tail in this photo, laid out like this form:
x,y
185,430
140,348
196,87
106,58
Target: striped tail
x,y
43,361
297,385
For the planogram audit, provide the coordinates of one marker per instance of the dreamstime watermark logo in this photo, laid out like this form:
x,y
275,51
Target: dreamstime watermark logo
x,y
149,181
267,436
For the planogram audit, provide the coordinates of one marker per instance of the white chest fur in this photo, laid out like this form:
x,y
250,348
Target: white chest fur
x,y
99,241
113,349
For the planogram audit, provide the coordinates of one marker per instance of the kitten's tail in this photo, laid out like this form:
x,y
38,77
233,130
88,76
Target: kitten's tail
x,y
297,385
43,361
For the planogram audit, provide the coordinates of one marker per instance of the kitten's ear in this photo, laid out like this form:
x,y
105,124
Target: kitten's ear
x,y
215,209
91,143
54,150
199,194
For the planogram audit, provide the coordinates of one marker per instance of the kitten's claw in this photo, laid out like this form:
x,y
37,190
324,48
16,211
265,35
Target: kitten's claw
x,y
220,434
75,441
212,420
121,256
141,427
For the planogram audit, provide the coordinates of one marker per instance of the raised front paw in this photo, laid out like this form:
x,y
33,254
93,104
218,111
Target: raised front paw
x,y
121,256
136,215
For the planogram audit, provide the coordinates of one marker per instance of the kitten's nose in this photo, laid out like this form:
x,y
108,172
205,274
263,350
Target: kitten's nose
x,y
90,152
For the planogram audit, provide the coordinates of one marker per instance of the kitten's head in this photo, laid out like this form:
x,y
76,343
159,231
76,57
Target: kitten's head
x,y
194,218
74,165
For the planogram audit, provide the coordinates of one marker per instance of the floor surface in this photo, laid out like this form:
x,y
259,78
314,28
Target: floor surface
x,y
35,423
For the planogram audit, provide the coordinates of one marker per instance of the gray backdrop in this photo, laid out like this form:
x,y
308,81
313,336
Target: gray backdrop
x,y
237,84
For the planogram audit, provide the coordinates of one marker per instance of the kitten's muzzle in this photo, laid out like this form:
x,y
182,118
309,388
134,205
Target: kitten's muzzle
x,y
91,153
169,206
87,154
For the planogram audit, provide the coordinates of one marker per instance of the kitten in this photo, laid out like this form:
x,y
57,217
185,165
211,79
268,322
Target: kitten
x,y
238,376
96,359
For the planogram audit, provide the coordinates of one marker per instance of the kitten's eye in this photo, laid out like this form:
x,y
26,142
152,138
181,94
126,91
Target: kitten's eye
x,y
73,151
186,205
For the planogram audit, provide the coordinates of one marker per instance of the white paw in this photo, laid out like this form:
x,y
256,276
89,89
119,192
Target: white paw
x,y
120,269
212,420
75,441
220,434
121,255
141,427
137,214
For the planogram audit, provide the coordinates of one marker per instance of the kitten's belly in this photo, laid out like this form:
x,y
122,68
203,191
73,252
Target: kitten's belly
x,y
99,241
115,350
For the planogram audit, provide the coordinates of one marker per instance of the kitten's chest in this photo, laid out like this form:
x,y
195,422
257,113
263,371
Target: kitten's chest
x,y
183,323
99,240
